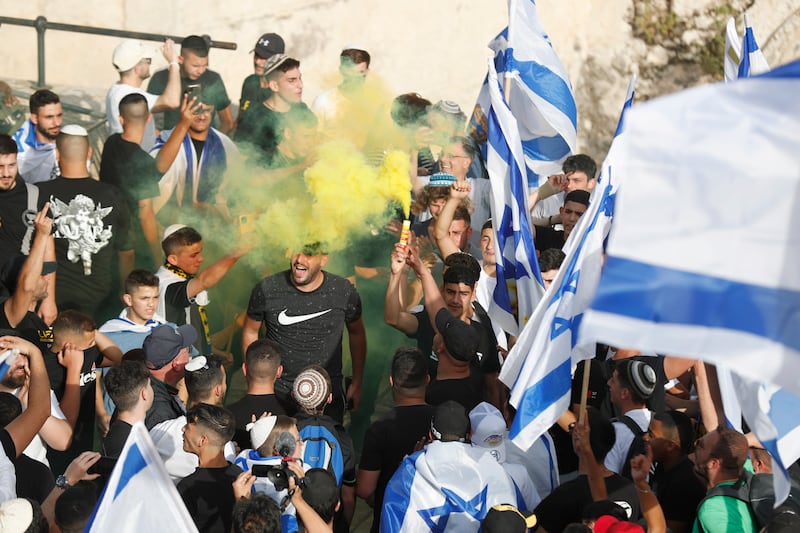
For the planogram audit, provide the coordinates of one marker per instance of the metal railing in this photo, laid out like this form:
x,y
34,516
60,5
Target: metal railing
x,y
42,25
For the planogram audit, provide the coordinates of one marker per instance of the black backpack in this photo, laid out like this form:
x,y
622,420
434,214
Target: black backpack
x,y
638,446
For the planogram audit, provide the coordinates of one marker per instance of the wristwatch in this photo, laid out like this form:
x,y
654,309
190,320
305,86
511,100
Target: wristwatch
x,y
62,483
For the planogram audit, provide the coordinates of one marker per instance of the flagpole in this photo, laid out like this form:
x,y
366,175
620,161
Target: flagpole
x,y
587,369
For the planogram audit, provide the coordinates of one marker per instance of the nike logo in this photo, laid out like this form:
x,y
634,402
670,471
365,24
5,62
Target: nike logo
x,y
286,320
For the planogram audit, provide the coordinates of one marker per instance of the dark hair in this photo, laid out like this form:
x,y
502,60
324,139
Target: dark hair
x,y
409,109
200,383
134,105
10,408
580,163
551,259
354,56
579,196
124,382
731,449
42,97
464,260
140,278
263,357
458,274
409,368
75,505
8,145
487,225
321,493
257,514
286,65
679,426
602,436
215,419
72,321
282,423
195,44
179,239
462,213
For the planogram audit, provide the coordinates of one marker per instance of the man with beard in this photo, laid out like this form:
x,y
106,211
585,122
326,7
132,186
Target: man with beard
x,y
718,459
132,60
36,138
193,158
305,310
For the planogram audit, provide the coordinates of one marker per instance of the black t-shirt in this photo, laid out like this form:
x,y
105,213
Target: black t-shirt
x,y
547,237
208,495
307,325
213,92
566,504
466,391
91,222
13,215
115,439
166,404
390,439
32,328
253,94
34,479
176,301
244,409
129,168
679,491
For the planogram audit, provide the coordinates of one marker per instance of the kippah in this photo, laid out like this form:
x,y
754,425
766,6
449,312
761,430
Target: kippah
x,y
74,129
310,389
172,229
16,515
260,430
642,378
447,106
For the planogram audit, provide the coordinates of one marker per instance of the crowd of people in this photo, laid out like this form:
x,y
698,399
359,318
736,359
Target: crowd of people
x,y
108,322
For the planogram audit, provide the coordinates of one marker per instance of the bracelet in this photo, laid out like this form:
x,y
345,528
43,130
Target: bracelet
x,y
174,63
644,491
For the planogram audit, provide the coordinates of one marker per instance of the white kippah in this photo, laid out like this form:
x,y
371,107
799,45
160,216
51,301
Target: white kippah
x,y
15,516
172,229
74,129
260,430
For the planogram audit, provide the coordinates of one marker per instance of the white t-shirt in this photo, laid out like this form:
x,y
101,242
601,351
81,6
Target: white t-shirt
x,y
624,438
115,94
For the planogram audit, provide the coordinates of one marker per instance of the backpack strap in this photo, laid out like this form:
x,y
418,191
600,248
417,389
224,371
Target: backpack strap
x,y
28,216
631,424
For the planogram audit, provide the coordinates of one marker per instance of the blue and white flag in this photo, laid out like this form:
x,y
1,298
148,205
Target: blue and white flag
x,y
743,57
539,93
139,495
538,369
771,413
704,258
445,488
517,263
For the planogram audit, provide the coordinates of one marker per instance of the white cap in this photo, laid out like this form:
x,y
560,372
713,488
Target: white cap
x,y
489,430
172,229
260,430
128,53
74,129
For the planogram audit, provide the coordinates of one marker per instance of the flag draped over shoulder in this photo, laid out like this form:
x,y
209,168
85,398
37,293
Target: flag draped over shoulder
x,y
539,93
514,247
538,369
771,413
139,495
445,488
704,258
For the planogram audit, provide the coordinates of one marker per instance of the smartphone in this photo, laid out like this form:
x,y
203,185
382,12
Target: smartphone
x,y
103,466
193,90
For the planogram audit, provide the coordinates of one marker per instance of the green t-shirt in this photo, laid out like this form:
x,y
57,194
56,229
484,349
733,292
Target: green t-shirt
x,y
213,90
724,514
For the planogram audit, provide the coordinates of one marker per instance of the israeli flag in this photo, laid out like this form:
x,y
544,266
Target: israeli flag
x,y
7,359
538,369
445,489
704,258
140,495
743,57
517,263
538,92
771,413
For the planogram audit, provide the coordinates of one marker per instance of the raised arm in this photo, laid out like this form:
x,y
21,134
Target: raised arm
x,y
171,97
168,152
30,275
211,275
441,231
394,313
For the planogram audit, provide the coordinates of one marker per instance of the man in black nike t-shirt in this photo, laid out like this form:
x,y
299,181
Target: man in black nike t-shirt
x,y
305,310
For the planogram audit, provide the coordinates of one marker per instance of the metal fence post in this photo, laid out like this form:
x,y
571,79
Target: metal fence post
x,y
41,26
